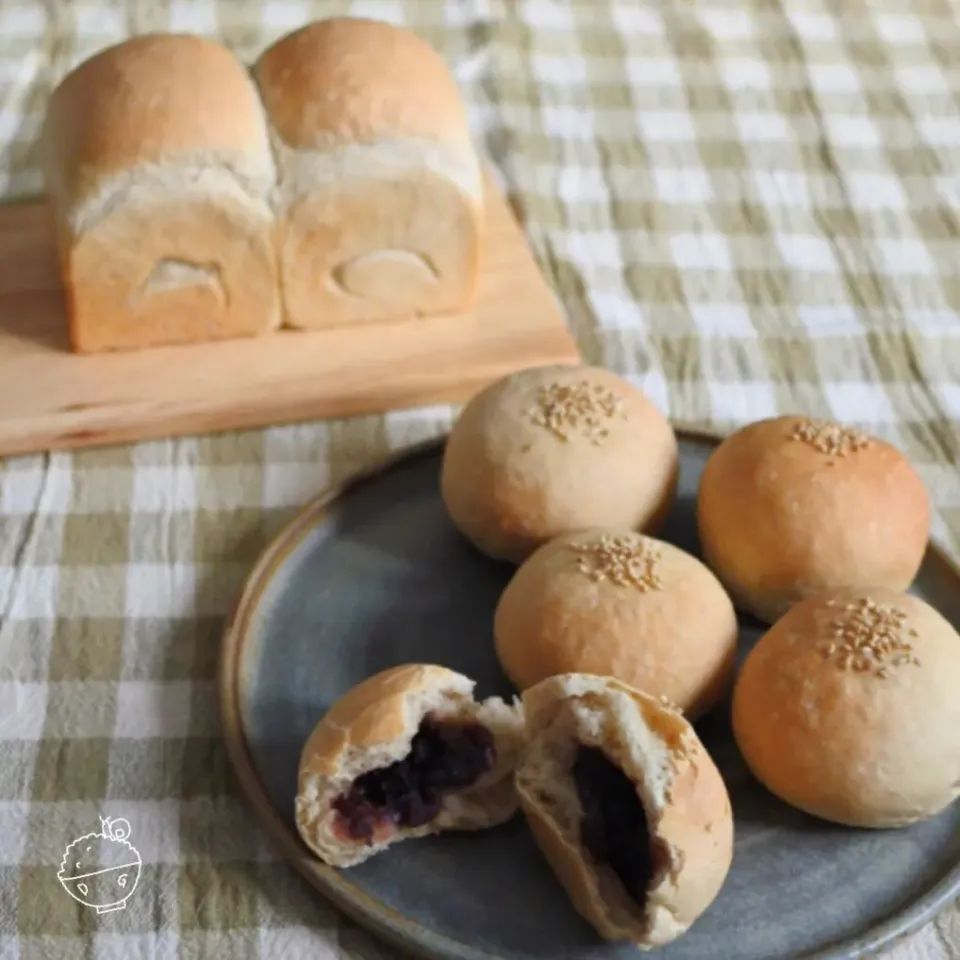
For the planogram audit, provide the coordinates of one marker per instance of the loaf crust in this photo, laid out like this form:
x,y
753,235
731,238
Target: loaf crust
x,y
380,188
158,166
553,449
847,708
790,507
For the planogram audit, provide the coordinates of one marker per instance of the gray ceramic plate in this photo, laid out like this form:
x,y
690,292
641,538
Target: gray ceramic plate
x,y
374,575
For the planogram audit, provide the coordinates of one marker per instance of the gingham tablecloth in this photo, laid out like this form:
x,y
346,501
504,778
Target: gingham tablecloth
x,y
747,207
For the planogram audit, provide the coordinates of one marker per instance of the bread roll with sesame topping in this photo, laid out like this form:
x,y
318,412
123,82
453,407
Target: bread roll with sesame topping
x,y
848,709
554,449
626,805
790,507
619,604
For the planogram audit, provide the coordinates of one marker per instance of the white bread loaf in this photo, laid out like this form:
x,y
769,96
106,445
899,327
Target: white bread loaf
x,y
157,161
380,190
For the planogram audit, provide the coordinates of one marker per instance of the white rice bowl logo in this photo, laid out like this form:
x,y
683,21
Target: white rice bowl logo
x,y
101,870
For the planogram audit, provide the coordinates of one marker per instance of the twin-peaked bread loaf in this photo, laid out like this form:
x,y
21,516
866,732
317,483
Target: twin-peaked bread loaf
x,y
158,165
192,206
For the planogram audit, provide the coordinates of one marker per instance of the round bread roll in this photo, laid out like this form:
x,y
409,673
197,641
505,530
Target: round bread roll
x,y
847,709
555,449
790,507
619,604
406,753
626,805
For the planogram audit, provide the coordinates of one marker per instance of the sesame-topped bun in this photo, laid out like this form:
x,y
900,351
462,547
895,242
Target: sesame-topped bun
x,y
619,604
848,709
554,449
405,753
626,805
790,507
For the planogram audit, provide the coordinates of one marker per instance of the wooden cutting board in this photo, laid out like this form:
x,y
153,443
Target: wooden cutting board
x,y
52,399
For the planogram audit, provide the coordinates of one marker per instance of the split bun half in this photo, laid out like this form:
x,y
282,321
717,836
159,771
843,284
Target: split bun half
x,y
406,753
612,771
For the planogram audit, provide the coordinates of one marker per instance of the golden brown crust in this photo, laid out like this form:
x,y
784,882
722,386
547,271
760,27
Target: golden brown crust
x,y
554,449
375,712
848,709
351,80
788,508
688,809
582,604
149,100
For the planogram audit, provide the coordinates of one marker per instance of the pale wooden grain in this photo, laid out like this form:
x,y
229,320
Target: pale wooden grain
x,y
53,399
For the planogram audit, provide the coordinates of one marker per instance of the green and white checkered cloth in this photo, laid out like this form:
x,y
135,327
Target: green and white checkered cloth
x,y
747,207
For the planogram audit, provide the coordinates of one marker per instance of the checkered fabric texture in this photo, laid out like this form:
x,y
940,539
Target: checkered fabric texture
x,y
746,207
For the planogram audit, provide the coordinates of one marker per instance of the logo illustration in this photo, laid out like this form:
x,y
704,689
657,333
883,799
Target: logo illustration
x,y
101,870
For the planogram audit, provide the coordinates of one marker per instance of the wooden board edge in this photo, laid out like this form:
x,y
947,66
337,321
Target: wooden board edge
x,y
452,390
90,425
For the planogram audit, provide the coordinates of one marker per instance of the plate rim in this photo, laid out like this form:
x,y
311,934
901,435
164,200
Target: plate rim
x,y
359,906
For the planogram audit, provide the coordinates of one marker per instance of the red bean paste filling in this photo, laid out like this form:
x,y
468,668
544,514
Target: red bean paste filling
x,y
444,756
614,826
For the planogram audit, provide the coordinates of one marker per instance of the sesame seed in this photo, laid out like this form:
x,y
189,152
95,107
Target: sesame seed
x,y
869,637
829,438
580,408
624,561
668,704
